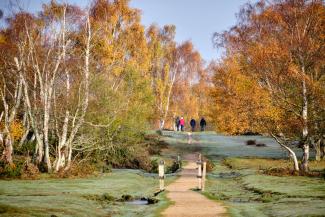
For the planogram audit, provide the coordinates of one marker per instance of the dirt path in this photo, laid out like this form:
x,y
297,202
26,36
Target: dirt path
x,y
187,202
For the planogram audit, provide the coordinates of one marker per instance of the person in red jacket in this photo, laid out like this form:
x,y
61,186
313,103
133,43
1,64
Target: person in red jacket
x,y
182,123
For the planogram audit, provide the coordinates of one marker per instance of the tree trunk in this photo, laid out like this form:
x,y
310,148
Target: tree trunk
x,y
63,137
305,158
292,154
7,140
9,113
8,150
318,151
161,124
47,159
322,147
80,120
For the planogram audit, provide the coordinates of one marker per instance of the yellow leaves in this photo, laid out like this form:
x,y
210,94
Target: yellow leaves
x,y
119,35
16,129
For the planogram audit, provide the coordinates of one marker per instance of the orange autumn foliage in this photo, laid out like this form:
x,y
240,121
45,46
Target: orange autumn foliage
x,y
239,103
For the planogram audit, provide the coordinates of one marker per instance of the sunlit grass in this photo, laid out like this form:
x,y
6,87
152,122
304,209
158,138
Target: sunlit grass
x,y
260,163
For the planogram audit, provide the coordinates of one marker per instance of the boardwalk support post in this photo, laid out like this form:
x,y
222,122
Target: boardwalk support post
x,y
199,174
189,138
179,162
161,170
204,174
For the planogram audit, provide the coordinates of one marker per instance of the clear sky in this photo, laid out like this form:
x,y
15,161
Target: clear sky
x,y
195,20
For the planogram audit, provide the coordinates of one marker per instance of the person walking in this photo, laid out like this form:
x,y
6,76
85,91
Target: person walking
x,y
203,124
182,123
193,123
177,123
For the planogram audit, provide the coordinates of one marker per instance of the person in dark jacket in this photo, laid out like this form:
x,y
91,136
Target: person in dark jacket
x,y
177,123
193,123
203,124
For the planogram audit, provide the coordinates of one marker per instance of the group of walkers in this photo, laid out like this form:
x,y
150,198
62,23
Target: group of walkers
x,y
180,122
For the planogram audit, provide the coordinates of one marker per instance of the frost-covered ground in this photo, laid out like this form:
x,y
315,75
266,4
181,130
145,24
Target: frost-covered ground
x,y
244,189
72,197
238,180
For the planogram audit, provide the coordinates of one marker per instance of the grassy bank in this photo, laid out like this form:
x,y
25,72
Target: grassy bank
x,y
246,192
71,197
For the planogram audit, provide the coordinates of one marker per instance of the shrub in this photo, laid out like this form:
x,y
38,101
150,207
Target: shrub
x,y
154,166
107,197
126,197
128,156
155,144
100,198
27,149
210,165
29,171
251,142
76,170
152,200
280,172
10,170
260,145
104,167
174,167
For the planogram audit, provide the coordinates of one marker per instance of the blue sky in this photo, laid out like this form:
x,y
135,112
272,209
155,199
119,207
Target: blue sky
x,y
195,20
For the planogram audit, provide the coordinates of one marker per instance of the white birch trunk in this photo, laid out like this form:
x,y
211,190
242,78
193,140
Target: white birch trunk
x,y
162,121
292,154
305,158
80,121
317,146
60,161
10,112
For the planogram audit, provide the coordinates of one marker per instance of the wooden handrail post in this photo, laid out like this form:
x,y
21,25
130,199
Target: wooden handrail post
x,y
161,170
199,174
179,161
189,137
204,175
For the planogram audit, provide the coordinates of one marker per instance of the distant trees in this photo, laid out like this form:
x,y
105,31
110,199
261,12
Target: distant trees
x,y
162,47
175,69
85,84
273,73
